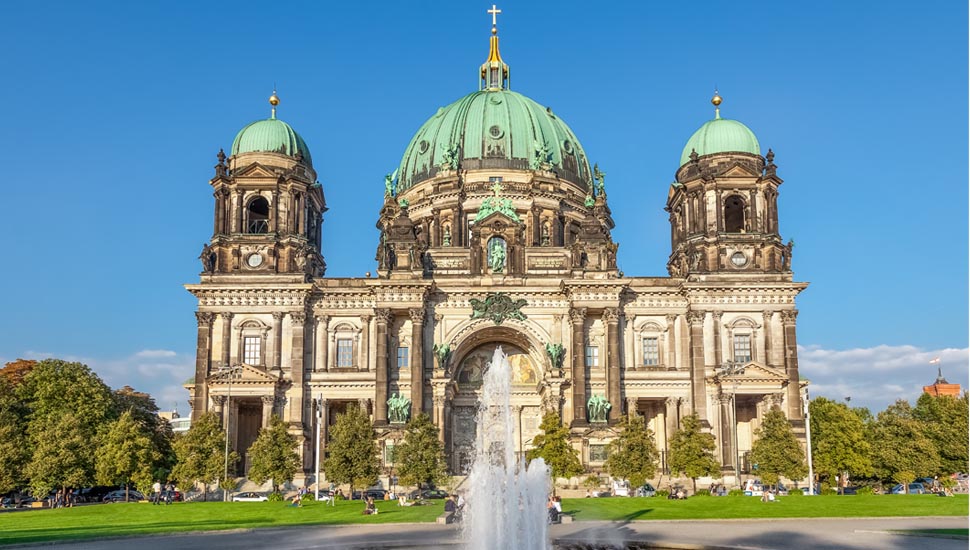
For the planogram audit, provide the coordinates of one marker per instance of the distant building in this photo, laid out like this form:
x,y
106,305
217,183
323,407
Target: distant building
x,y
942,387
178,423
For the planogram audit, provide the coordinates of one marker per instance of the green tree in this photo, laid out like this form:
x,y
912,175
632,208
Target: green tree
x,y
353,455
274,455
776,450
420,458
633,455
145,411
126,454
13,455
691,451
200,453
903,445
839,443
67,407
552,445
945,422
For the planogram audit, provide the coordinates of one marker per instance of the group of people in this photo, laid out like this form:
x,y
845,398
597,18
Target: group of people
x,y
163,493
554,508
454,508
677,494
65,498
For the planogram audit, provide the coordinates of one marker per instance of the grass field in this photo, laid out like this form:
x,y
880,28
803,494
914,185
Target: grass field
x,y
111,520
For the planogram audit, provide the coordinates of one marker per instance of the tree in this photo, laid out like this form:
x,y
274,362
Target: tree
x,y
67,407
274,455
902,444
420,457
945,422
15,371
200,453
633,455
776,451
839,443
552,445
126,454
353,454
145,412
691,452
13,454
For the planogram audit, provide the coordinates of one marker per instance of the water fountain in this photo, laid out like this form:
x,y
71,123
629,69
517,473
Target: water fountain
x,y
506,501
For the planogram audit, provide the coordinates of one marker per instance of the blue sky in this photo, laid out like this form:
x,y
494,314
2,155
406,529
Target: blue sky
x,y
115,111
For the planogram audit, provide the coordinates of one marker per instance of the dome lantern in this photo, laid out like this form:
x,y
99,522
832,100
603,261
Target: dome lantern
x,y
720,135
271,135
494,73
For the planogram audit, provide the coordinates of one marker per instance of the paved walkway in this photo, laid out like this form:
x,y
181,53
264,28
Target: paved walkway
x,y
781,534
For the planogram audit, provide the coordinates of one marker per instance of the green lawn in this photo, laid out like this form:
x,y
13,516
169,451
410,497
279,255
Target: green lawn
x,y
131,519
752,507
140,519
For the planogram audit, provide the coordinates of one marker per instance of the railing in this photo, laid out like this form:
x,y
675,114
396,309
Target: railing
x,y
257,226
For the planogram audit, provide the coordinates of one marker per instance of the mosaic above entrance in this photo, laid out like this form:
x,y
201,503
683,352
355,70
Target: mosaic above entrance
x,y
472,368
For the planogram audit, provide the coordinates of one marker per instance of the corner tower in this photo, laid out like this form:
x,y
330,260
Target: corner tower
x,y
268,206
723,204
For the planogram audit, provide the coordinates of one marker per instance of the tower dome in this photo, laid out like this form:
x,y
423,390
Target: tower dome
x,y
720,135
494,128
270,135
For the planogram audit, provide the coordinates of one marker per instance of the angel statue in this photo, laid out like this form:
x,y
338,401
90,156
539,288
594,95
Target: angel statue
x,y
389,186
600,178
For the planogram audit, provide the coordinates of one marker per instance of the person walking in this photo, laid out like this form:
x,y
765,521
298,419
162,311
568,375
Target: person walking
x,y
156,492
169,489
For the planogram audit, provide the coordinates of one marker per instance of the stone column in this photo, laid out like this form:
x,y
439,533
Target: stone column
x,y
718,356
728,426
611,319
364,348
698,381
217,218
297,322
268,402
536,226
219,403
275,210
417,360
631,406
671,415
767,315
203,361
439,416
671,342
380,390
791,363
578,317
226,337
322,339
435,238
278,339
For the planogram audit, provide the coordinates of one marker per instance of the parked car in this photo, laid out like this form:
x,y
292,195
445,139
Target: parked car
x,y
914,489
753,488
427,494
249,497
119,496
646,490
93,494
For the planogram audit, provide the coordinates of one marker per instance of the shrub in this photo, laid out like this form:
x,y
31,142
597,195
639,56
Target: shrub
x,y
592,482
275,497
864,491
736,493
830,491
796,493
308,497
702,493
662,493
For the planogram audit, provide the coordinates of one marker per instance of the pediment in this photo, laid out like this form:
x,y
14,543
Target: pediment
x,y
255,170
496,216
737,170
758,372
248,375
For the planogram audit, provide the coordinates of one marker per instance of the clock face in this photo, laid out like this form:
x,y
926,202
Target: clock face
x,y
254,260
739,259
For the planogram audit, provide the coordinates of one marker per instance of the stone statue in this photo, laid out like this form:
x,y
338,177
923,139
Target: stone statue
x,y
404,203
208,258
446,239
590,201
600,178
786,257
442,352
389,187
597,409
449,159
398,409
542,156
496,255
544,239
556,353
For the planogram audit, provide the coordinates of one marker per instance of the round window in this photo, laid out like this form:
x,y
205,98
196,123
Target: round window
x,y
254,260
495,131
423,146
567,146
739,259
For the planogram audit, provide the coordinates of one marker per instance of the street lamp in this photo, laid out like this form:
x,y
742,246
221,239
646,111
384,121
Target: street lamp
x,y
808,443
319,414
227,411
733,369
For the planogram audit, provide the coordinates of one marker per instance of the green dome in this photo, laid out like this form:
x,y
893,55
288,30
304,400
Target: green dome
x,y
271,135
494,129
721,135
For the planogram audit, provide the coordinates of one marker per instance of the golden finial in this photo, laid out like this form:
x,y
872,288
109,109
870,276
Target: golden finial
x,y
274,100
716,100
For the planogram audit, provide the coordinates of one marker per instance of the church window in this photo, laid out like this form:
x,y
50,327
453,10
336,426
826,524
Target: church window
x,y
345,352
495,179
251,350
592,356
389,452
598,453
734,214
402,357
257,212
742,348
651,352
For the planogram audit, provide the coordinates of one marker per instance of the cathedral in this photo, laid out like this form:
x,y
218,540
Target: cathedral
x,y
495,230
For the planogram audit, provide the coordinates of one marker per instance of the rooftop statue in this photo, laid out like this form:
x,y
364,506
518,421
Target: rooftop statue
x,y
398,409
389,180
598,408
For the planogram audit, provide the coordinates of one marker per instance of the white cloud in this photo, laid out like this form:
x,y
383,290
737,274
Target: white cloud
x,y
154,353
875,377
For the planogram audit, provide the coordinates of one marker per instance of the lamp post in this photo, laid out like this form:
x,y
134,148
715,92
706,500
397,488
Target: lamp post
x,y
733,369
808,443
228,412
319,405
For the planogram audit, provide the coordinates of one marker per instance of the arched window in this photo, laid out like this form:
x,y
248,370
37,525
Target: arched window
x,y
257,220
734,214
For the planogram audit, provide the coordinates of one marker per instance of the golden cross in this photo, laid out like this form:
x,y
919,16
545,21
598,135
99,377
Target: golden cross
x,y
497,188
494,11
